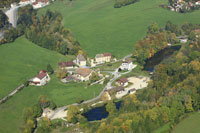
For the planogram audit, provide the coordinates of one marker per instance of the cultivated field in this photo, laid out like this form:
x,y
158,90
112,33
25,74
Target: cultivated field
x,y
101,28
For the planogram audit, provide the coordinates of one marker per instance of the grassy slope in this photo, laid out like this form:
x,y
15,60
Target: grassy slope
x,y
189,125
162,129
101,28
61,94
22,59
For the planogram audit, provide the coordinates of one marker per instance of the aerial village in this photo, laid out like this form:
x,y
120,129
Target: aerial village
x,y
183,6
87,70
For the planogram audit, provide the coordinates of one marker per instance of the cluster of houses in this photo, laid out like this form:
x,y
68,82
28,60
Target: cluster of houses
x,y
35,3
79,71
180,5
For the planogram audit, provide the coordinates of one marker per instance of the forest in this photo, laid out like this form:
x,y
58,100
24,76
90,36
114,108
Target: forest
x,y
158,38
46,31
3,19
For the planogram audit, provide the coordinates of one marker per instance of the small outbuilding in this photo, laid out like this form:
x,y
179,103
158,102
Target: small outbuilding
x,y
122,82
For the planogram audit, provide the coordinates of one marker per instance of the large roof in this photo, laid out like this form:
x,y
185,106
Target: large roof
x,y
66,64
119,88
42,74
123,80
107,54
99,55
83,71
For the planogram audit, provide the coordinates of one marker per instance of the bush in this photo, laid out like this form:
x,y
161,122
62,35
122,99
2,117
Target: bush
x,y
120,3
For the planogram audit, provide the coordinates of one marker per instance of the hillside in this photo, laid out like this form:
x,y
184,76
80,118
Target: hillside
x,y
99,27
21,60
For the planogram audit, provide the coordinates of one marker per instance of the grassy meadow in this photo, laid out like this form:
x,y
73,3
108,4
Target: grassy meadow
x,y
61,94
101,28
189,125
22,60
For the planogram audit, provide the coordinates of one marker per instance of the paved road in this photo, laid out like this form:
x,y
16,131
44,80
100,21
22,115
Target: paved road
x,y
12,15
12,93
107,87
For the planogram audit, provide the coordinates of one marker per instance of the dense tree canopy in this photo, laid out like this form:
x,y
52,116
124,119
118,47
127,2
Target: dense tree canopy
x,y
7,3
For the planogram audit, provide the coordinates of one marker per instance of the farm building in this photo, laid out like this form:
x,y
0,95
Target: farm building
x,y
41,79
83,74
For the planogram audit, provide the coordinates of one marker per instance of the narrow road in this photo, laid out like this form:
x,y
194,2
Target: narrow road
x,y
12,15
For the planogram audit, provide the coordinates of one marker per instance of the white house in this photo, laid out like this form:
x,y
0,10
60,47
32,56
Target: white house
x,y
127,65
99,58
122,82
80,60
40,3
26,2
83,74
197,3
183,40
102,58
41,79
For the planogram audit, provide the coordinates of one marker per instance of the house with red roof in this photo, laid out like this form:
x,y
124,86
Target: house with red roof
x,y
26,2
122,82
40,3
41,79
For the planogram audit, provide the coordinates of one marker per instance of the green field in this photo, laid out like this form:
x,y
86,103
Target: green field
x,y
189,125
101,28
61,94
163,129
21,60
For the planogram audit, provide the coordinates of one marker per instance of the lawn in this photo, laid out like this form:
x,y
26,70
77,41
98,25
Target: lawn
x,y
163,129
101,28
22,60
189,125
109,66
61,94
